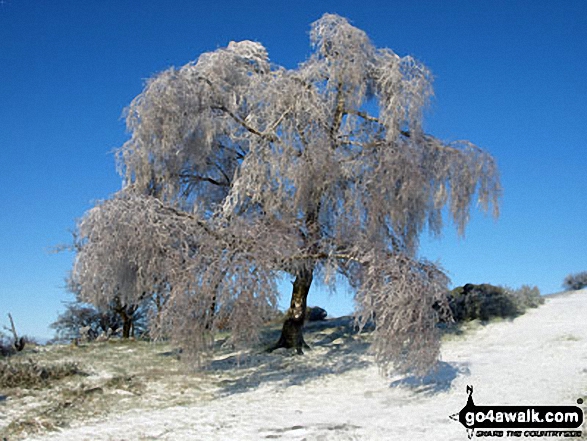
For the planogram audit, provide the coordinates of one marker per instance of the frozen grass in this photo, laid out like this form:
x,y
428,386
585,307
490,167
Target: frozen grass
x,y
90,381
29,374
140,391
108,377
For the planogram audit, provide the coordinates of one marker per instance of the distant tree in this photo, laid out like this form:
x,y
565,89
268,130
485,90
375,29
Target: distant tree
x,y
111,318
575,281
239,171
79,315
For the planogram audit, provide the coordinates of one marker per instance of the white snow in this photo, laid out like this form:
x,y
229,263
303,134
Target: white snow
x,y
539,358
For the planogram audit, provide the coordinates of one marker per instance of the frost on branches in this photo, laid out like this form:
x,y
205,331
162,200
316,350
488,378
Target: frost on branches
x,y
239,171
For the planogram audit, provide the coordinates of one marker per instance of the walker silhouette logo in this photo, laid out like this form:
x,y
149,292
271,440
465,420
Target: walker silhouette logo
x,y
519,421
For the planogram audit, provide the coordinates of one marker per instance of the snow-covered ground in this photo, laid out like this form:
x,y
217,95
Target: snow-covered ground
x,y
539,358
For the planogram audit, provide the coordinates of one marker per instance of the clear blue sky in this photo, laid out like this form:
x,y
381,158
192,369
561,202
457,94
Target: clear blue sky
x,y
510,77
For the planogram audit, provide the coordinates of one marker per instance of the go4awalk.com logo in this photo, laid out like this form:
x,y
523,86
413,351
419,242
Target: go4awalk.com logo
x,y
519,421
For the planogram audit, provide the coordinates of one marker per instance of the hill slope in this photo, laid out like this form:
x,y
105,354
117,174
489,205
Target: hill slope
x,y
336,392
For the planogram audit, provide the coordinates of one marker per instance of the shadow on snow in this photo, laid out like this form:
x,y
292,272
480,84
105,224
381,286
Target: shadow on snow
x,y
335,349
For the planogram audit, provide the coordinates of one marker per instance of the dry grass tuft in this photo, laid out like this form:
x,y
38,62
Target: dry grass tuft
x,y
29,373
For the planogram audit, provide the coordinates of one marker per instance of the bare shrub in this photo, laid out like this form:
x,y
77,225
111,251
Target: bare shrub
x,y
239,171
525,297
5,346
575,281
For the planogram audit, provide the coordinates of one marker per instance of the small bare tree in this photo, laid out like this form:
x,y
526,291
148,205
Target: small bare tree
x,y
18,343
239,171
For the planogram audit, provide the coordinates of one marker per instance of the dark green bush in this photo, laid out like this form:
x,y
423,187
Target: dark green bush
x,y
315,314
485,301
481,302
575,281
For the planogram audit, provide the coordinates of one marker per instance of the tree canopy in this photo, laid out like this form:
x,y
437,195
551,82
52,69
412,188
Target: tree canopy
x,y
238,171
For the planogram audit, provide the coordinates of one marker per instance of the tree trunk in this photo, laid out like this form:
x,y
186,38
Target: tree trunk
x,y
127,315
126,325
292,332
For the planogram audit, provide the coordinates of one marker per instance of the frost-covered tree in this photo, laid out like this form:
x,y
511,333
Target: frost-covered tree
x,y
239,171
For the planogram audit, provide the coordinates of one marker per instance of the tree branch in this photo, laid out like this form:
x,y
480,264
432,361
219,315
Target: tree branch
x,y
198,178
339,112
267,136
278,121
364,115
324,256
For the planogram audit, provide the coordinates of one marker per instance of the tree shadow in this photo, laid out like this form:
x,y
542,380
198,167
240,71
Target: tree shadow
x,y
175,353
333,352
439,379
